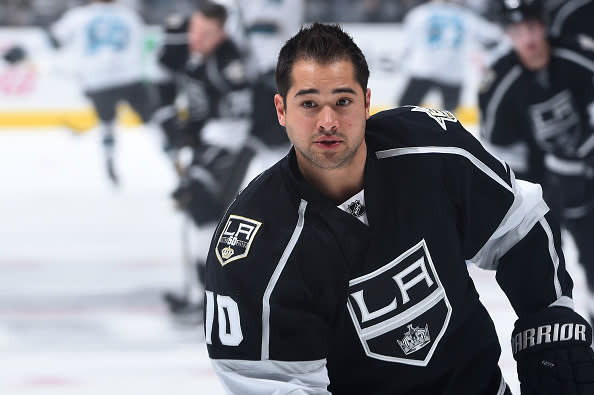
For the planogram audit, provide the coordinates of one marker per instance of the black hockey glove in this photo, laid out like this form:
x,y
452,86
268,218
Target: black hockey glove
x,y
15,54
554,354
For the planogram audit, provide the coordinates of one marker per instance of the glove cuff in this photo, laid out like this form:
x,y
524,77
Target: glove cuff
x,y
549,328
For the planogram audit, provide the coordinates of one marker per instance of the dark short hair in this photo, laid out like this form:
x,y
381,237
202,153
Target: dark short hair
x,y
323,44
213,10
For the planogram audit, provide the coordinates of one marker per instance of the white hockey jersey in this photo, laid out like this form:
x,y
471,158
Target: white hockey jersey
x,y
269,24
106,41
440,39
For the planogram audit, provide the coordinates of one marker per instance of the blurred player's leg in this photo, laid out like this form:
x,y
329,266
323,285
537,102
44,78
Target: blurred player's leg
x,y
451,96
105,102
187,307
415,91
142,98
108,142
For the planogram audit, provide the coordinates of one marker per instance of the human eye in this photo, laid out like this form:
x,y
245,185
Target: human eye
x,y
308,104
344,101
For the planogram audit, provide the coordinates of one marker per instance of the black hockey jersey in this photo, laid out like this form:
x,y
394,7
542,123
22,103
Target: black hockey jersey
x,y
217,86
542,121
301,295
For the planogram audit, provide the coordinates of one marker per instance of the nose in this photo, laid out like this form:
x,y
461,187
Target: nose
x,y
328,122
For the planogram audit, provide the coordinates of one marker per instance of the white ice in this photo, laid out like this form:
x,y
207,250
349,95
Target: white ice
x,y
83,264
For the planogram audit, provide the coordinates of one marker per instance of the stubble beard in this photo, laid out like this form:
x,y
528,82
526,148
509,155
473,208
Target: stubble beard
x,y
331,160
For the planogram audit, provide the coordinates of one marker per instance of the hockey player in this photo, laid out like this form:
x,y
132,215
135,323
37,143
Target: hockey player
x,y
342,269
537,113
440,37
215,82
107,39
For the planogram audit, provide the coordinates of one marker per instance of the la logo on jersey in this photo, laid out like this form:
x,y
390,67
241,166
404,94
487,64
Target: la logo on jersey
x,y
401,311
236,238
440,116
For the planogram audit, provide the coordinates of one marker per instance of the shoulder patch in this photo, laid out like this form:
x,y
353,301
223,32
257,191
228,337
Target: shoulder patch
x,y
236,239
439,116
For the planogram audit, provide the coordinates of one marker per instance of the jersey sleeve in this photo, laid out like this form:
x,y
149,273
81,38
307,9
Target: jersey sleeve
x,y
63,29
271,302
173,52
505,226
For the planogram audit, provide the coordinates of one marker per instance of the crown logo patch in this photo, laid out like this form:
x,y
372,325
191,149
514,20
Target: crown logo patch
x,y
236,238
227,252
414,339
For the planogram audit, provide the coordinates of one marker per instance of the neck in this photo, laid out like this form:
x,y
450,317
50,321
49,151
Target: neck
x,y
337,184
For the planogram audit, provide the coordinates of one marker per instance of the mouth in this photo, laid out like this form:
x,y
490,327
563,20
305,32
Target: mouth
x,y
327,142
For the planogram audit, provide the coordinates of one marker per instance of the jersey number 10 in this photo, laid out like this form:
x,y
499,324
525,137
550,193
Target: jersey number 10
x,y
228,319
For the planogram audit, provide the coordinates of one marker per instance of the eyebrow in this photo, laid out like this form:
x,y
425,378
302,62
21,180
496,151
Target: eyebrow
x,y
315,91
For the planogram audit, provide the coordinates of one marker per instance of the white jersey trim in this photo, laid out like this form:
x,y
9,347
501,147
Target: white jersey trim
x,y
500,91
215,75
273,377
564,12
265,351
576,212
554,256
515,155
574,57
502,386
586,147
230,134
176,38
445,150
566,167
563,301
527,209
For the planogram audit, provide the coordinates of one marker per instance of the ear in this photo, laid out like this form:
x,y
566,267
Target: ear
x,y
367,102
279,104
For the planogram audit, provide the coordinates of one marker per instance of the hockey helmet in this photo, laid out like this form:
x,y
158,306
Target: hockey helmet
x,y
515,11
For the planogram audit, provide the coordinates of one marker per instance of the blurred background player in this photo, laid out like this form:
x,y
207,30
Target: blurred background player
x,y
172,56
441,35
537,114
107,39
267,25
212,77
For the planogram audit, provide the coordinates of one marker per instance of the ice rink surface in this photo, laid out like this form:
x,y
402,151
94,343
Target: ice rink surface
x,y
83,266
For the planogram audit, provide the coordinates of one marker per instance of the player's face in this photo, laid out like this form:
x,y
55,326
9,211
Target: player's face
x,y
205,34
530,43
325,114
